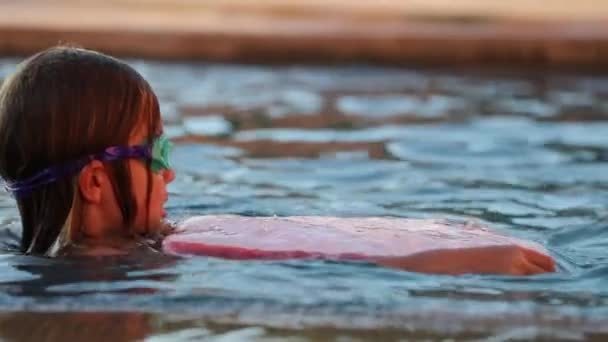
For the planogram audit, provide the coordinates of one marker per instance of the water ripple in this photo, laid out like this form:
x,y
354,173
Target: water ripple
x,y
525,154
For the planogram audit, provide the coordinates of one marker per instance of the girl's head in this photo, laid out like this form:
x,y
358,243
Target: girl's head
x,y
65,104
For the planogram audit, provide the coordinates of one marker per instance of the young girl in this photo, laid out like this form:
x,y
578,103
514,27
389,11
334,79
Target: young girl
x,y
82,151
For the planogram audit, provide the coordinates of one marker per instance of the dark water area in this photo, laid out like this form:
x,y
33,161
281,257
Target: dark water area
x,y
523,152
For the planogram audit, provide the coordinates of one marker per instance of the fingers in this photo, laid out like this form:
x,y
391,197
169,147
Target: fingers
x,y
540,260
529,268
533,262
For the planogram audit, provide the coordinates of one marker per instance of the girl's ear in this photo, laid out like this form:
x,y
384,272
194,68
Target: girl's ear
x,y
90,181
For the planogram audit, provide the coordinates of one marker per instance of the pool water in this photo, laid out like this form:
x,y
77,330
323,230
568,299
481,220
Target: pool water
x,y
525,152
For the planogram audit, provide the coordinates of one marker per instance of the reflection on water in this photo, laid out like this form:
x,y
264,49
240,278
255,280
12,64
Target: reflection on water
x,y
38,326
524,153
132,326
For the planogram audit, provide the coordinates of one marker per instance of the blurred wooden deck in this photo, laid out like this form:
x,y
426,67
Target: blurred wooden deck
x,y
556,33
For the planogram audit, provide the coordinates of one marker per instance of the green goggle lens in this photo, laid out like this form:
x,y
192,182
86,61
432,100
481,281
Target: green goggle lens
x,y
161,148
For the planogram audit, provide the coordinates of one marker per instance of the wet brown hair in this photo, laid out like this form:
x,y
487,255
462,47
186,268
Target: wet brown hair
x,y
60,105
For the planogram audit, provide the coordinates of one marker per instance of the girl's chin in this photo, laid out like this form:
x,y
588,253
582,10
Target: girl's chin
x,y
155,225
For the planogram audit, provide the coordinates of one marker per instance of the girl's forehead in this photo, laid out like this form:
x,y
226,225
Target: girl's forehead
x,y
141,131
141,128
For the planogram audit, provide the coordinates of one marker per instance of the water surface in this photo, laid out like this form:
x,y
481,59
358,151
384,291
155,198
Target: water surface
x,y
523,152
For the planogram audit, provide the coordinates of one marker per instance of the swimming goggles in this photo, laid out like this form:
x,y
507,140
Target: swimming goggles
x,y
157,152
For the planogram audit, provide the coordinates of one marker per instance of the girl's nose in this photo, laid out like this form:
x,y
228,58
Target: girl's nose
x,y
168,175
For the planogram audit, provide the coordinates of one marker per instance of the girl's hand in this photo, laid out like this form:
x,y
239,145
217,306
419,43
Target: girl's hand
x,y
510,260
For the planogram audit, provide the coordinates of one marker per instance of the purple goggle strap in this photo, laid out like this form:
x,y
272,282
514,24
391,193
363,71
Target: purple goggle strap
x,y
53,173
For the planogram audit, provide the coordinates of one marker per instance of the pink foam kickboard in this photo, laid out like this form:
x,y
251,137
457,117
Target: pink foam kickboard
x,y
356,238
